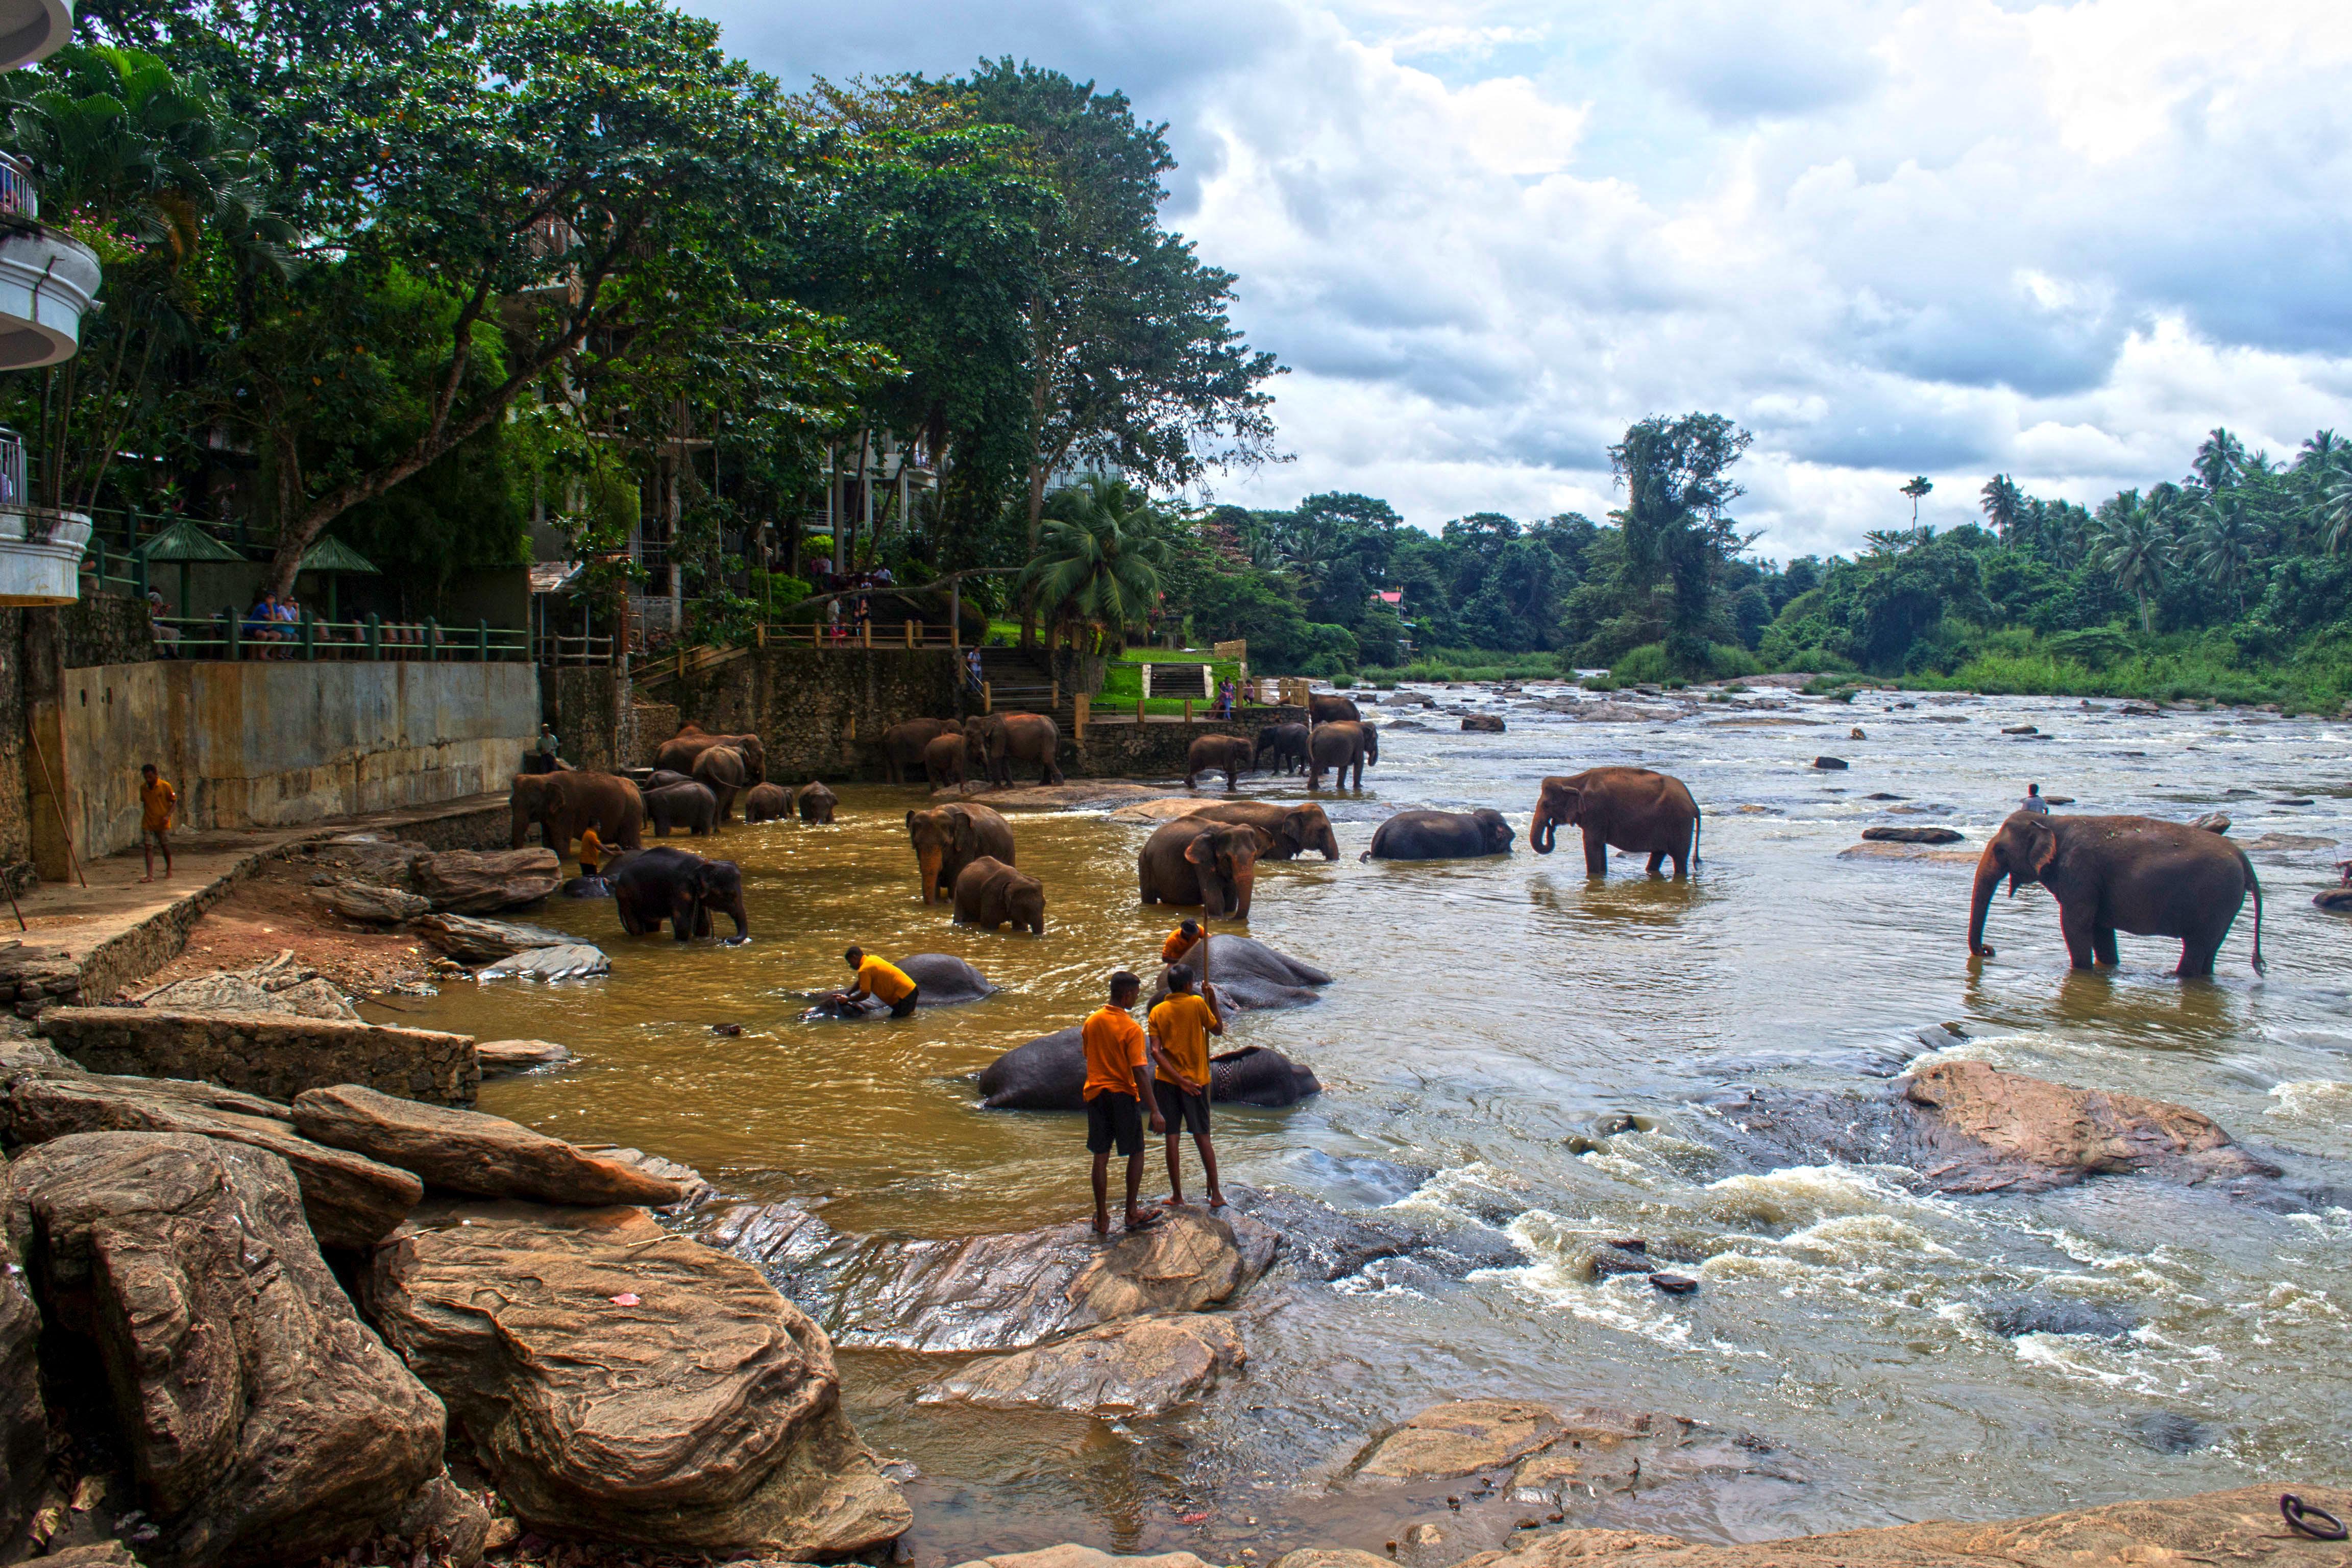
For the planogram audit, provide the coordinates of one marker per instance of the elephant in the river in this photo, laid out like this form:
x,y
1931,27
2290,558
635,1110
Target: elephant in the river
x,y
662,778
941,980
688,806
947,838
1340,745
814,801
1295,829
723,771
681,888
1622,808
1248,976
1287,745
990,893
1228,755
767,802
903,743
1329,708
944,761
1049,1073
1003,739
568,804
678,754
2133,874
1211,864
585,888
1441,835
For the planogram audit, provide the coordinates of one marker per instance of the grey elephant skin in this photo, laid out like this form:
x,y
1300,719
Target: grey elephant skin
x,y
1050,1072
1249,976
689,805
1441,835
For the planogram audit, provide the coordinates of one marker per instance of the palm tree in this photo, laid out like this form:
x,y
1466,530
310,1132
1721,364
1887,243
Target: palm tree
x,y
2221,459
2226,541
2004,505
2336,511
1099,558
2135,549
1918,489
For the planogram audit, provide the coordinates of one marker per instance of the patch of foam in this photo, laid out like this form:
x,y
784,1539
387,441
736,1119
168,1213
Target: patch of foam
x,y
1805,1195
1861,1238
2316,1100
1453,1190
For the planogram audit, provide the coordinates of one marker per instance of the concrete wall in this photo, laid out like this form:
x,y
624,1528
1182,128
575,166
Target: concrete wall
x,y
259,744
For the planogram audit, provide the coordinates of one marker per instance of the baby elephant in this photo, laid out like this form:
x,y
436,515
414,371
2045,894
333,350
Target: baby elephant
x,y
943,760
767,802
690,806
1441,835
814,801
988,893
1228,755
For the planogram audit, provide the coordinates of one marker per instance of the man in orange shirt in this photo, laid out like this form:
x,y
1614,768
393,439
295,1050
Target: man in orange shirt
x,y
157,800
1118,1088
1179,941
885,982
1178,1044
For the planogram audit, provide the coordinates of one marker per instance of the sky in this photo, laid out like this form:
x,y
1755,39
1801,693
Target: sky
x,y
1954,237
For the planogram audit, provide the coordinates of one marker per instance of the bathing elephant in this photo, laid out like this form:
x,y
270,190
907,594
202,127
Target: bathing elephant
x,y
1003,739
1049,1073
681,888
678,754
1287,745
943,760
947,838
1329,708
689,805
767,802
941,980
2135,874
662,778
1441,835
723,771
567,804
988,893
903,743
585,888
814,801
1295,830
1211,864
1622,808
1227,755
1248,976
1340,745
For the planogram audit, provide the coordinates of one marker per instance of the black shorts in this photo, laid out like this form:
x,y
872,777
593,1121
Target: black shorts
x,y
1114,1117
1184,1112
904,1007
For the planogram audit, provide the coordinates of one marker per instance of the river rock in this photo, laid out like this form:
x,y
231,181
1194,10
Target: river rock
x,y
372,903
567,960
1049,1073
1831,764
632,1385
2019,729
696,1187
1249,975
483,881
469,1152
470,940
2336,900
997,1292
350,1200
1392,1245
24,1422
1073,1557
1145,1366
503,1059
264,1422
1484,723
2214,822
250,991
1916,854
1593,1447
1911,835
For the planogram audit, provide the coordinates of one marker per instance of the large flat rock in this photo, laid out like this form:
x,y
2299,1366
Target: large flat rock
x,y
632,1386
484,881
24,1421
469,1152
273,1056
1144,1366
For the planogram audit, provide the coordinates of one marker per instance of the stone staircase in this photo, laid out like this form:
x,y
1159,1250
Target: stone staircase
x,y
1020,681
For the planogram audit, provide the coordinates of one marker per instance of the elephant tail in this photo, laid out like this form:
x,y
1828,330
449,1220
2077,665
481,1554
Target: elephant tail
x,y
1698,829
2255,884
1365,855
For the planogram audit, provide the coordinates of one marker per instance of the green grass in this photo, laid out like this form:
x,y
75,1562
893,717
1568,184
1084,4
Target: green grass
x,y
1123,679
1467,664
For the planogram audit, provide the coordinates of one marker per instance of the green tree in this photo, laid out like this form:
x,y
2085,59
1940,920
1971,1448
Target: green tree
x,y
2226,541
2135,548
1099,560
2221,459
1917,490
2004,505
1676,475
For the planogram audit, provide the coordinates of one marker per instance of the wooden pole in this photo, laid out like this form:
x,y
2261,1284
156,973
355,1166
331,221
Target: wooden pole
x,y
57,806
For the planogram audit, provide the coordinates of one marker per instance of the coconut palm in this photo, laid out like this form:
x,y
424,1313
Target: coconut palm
x,y
2004,505
2135,548
2226,542
1099,558
2336,511
2221,459
1917,490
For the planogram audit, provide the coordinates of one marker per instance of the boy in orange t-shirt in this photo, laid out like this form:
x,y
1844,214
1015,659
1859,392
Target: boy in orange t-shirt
x,y
1178,1040
157,800
1118,1093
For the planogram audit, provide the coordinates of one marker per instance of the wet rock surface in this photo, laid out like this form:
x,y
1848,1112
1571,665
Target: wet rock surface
x,y
567,961
503,1059
1327,1244
472,941
1911,835
469,1152
1144,1366
372,903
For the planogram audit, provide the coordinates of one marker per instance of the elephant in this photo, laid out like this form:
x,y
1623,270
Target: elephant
x,y
767,802
1003,737
585,888
2136,874
1339,746
947,838
567,804
1329,708
943,760
1622,808
662,778
988,893
941,980
1049,1073
903,743
1295,829
1441,835
814,801
1288,744
1249,976
681,888
689,805
678,753
1228,755
723,771
1211,864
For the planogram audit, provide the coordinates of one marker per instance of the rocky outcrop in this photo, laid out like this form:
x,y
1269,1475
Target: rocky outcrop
x,y
370,903
470,940
264,1422
275,1056
484,881
1558,1455
1073,1556
631,1385
1914,854
23,1423
1402,1246
278,987
349,1200
696,1187
469,1152
572,961
1141,1367
1911,835
1488,723
503,1059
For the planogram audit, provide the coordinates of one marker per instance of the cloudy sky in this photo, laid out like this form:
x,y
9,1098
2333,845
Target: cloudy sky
x,y
1889,237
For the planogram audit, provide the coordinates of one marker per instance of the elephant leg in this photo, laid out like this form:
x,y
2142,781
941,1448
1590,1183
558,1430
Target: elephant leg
x,y
1657,859
2197,956
2075,924
2103,945
1596,854
1053,774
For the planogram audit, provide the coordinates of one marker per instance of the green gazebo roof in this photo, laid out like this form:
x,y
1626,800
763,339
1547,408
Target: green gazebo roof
x,y
334,556
185,541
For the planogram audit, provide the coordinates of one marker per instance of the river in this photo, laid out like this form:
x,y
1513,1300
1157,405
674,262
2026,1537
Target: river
x,y
1487,1021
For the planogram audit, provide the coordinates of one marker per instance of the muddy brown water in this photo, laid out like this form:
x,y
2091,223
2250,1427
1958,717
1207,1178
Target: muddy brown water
x,y
1489,1023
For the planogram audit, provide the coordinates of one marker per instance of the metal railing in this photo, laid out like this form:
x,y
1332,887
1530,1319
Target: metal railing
x,y
19,197
312,640
12,470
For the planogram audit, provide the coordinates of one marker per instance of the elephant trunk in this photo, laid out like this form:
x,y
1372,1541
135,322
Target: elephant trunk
x,y
1988,871
1244,880
742,922
930,861
1541,833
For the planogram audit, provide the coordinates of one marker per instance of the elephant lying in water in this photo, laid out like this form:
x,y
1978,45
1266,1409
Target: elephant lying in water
x,y
941,980
1250,976
1441,835
1050,1071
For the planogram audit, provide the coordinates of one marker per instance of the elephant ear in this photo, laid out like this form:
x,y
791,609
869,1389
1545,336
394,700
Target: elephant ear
x,y
2041,845
1203,850
1264,839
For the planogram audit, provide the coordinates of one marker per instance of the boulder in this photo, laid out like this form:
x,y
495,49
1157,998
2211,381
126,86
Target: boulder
x,y
267,990
2214,822
372,903
631,1385
1072,1556
264,1422
1408,1246
2336,900
483,881
1831,764
2019,729
1049,1073
470,940
1249,975
1484,723
469,1152
1144,1366
24,1422
1916,854
1459,1438
1911,835
503,1059
572,960
350,1200
693,1184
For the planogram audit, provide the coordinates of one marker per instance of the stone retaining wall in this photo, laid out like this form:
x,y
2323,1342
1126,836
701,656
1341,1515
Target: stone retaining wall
x,y
1130,751
271,1054
819,709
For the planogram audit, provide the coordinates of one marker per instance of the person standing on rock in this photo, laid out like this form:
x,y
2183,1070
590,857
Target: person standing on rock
x,y
157,800
1179,1042
1118,1093
1179,941
2034,801
885,982
592,853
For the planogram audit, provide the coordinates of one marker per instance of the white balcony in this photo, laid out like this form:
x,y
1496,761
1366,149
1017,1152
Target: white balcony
x,y
40,555
47,283
33,30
